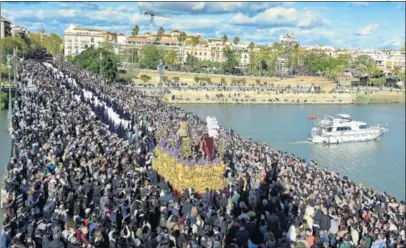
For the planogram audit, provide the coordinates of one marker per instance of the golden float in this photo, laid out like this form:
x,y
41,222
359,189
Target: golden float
x,y
183,174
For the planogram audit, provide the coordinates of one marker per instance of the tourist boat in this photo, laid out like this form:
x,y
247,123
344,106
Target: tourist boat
x,y
341,128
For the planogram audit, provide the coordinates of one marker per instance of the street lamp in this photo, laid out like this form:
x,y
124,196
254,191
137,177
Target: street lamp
x,y
10,107
161,71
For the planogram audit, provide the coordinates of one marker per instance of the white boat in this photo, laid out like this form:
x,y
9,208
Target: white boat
x,y
341,129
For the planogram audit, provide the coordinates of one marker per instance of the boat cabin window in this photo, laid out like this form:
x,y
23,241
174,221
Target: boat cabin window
x,y
363,126
329,129
343,128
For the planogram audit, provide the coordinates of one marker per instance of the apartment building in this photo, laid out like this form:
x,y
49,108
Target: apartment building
x,y
77,39
5,28
16,30
210,49
396,59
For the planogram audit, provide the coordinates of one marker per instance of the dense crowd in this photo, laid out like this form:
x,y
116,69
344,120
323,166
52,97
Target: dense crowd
x,y
81,176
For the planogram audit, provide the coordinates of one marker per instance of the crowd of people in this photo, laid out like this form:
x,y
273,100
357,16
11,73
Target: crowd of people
x,y
81,176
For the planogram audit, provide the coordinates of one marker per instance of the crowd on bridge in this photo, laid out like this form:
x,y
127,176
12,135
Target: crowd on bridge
x,y
80,176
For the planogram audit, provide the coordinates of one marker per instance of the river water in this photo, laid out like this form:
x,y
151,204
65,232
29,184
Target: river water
x,y
379,164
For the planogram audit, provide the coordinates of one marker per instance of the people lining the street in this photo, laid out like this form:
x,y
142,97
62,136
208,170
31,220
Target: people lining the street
x,y
81,176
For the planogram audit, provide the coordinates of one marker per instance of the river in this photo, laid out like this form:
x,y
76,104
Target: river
x,y
379,164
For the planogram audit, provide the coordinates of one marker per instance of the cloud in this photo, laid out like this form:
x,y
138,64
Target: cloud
x,y
359,3
395,42
77,5
204,8
367,30
281,17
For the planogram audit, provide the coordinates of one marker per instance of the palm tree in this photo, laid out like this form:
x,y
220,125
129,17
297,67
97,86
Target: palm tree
x,y
171,58
236,40
181,38
161,32
135,31
224,39
195,41
251,47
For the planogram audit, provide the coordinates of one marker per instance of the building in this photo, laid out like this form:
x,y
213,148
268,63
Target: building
x,y
210,49
396,59
5,28
78,39
17,30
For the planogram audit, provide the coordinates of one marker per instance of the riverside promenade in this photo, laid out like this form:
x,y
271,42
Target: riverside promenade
x,y
83,176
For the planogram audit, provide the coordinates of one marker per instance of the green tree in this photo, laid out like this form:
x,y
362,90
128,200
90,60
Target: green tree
x,y
52,44
251,47
176,79
98,61
171,58
145,78
197,79
224,39
135,31
236,40
365,66
160,33
231,61
193,62
10,43
181,38
195,42
150,57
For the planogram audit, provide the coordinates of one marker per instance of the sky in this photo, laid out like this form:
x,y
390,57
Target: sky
x,y
366,25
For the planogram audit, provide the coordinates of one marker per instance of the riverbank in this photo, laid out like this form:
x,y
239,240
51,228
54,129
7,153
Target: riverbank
x,y
253,97
214,79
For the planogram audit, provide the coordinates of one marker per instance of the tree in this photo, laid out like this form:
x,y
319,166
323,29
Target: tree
x,y
251,47
195,42
171,58
176,79
364,66
192,61
399,73
223,81
160,33
106,64
181,38
231,62
236,40
145,78
150,57
197,79
135,31
10,43
224,39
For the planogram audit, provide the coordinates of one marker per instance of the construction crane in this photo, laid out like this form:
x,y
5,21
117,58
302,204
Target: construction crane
x,y
152,20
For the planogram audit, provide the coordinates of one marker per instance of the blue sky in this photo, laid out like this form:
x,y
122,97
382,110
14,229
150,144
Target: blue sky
x,y
370,25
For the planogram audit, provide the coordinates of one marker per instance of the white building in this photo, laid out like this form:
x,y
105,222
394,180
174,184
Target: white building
x,y
78,39
5,28
17,30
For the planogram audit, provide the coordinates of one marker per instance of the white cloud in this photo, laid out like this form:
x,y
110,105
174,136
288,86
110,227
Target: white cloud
x,y
367,30
394,43
280,16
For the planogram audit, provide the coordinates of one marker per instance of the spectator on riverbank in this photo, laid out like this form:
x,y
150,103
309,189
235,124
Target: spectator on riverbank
x,y
83,177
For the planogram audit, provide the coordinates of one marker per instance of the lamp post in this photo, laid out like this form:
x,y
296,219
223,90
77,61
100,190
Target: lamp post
x,y
10,107
161,71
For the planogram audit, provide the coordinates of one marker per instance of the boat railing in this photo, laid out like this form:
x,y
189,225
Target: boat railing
x,y
323,123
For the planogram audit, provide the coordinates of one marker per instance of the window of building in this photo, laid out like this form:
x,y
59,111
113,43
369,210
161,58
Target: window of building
x,y
92,40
